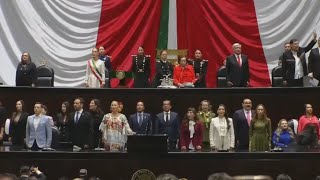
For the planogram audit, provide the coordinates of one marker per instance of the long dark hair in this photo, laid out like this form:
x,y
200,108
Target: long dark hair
x,y
14,114
185,120
225,115
68,109
98,104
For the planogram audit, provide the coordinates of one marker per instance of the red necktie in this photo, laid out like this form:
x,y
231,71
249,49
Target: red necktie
x,y
238,59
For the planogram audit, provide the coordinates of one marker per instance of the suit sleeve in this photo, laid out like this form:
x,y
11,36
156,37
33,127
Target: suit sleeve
x,y
27,132
182,141
204,70
201,129
231,134
310,62
250,135
228,67
149,128
235,126
33,73
177,124
247,70
49,133
211,135
107,63
284,66
130,121
309,46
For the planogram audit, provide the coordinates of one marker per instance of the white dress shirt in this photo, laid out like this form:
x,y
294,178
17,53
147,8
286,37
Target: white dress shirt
x,y
36,121
298,73
165,115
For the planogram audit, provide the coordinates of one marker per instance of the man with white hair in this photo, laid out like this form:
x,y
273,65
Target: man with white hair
x,y
237,68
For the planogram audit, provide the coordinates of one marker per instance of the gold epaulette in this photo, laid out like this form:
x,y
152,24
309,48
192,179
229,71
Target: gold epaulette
x,y
205,60
147,55
133,55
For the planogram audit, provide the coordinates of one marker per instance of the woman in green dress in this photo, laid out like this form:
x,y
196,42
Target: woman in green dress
x,y
260,131
205,115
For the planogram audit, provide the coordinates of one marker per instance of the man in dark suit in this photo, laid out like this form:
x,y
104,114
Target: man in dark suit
x,y
287,48
140,122
294,66
314,62
241,122
163,68
237,68
3,116
167,122
107,62
81,125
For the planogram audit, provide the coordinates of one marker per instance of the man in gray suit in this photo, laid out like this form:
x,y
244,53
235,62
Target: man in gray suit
x,y
167,122
38,130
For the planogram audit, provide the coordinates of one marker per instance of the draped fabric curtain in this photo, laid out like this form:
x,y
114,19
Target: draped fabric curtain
x,y
126,25
213,26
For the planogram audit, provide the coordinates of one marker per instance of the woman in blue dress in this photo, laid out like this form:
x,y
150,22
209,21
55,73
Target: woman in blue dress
x,y
283,135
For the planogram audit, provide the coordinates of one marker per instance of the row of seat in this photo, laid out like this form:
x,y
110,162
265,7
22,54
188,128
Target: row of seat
x,y
46,77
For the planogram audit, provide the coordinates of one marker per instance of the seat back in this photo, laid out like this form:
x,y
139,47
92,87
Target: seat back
x,y
277,80
222,77
45,76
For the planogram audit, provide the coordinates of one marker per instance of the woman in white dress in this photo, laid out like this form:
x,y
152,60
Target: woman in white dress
x,y
95,74
115,128
221,133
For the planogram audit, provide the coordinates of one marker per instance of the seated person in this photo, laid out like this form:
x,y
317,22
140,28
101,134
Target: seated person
x,y
308,136
283,135
183,74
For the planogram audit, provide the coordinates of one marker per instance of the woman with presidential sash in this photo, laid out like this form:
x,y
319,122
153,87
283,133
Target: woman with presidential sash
x,y
95,76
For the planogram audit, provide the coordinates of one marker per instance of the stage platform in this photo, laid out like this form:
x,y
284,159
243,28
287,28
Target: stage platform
x,y
192,165
280,102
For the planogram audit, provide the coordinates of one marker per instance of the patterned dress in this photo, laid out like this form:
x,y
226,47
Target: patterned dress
x,y
115,131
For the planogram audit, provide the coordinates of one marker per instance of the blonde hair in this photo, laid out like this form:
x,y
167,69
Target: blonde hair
x,y
279,130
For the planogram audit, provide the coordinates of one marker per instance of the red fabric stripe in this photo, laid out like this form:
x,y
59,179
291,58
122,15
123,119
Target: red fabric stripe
x,y
125,25
213,26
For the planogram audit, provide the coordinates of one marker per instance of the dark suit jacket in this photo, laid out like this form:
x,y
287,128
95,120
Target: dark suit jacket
x,y
289,63
162,69
146,125
239,76
314,63
3,115
17,131
81,133
171,128
241,128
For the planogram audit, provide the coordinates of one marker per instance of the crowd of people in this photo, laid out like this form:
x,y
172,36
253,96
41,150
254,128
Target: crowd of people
x,y
197,130
189,72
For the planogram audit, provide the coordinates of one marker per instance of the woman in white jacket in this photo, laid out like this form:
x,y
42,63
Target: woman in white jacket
x,y
221,133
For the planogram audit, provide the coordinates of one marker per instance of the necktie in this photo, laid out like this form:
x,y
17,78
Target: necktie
x,y
167,117
140,119
238,59
77,118
248,118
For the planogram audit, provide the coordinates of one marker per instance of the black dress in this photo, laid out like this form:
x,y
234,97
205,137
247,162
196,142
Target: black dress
x,y
17,130
162,69
97,134
26,74
63,127
141,70
200,67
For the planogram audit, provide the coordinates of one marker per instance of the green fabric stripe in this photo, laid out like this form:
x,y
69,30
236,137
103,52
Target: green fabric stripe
x,y
164,23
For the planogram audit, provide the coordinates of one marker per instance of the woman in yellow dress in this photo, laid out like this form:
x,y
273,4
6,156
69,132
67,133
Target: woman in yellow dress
x,y
115,128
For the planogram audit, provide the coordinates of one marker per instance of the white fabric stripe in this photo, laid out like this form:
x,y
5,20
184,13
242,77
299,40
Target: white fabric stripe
x,y
282,20
61,32
172,27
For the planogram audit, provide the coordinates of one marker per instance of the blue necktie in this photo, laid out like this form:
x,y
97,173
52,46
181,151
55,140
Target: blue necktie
x,y
77,118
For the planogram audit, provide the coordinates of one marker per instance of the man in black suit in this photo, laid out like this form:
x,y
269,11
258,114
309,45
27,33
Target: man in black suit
x,y
3,117
241,122
167,122
294,65
163,68
237,68
314,62
140,122
81,125
287,48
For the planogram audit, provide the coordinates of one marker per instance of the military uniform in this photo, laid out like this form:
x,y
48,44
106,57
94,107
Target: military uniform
x,y
200,69
141,70
162,68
